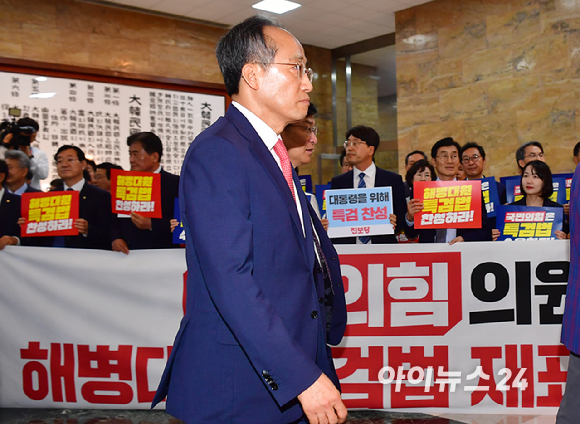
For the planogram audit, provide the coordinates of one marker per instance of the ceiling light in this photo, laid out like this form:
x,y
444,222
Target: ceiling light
x,y
40,79
276,6
42,95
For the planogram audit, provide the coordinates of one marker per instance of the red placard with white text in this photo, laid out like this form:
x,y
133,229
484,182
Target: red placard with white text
x,y
138,192
49,214
448,204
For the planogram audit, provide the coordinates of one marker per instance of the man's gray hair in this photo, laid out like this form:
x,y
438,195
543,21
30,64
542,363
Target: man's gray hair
x,y
20,156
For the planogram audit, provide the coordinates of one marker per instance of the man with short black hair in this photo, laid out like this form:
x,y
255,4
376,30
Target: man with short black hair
x,y
473,160
445,159
413,157
251,347
9,212
361,146
102,178
94,223
18,171
577,153
527,152
140,232
344,165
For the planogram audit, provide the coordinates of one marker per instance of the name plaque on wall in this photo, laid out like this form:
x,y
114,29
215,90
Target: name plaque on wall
x,y
99,116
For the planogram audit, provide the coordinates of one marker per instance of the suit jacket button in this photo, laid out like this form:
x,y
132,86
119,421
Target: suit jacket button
x,y
321,300
265,374
274,386
314,314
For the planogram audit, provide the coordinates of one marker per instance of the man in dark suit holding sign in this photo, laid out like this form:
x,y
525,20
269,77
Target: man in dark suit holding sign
x,y
361,146
140,232
95,216
250,347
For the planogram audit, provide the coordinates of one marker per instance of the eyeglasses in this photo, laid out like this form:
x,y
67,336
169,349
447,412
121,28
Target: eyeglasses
x,y
474,159
354,144
313,130
301,69
536,156
445,158
68,161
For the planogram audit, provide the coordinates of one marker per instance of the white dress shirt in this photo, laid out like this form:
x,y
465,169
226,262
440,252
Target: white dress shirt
x,y
20,191
76,187
369,178
270,138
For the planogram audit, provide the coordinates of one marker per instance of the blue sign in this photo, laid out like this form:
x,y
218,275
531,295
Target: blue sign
x,y
179,231
306,182
529,222
320,198
504,180
565,181
359,212
490,195
560,194
512,188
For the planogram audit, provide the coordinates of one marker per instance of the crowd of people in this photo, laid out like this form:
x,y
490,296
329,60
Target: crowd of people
x,y
24,166
98,226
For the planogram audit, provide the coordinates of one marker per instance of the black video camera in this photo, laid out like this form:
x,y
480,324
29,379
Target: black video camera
x,y
21,136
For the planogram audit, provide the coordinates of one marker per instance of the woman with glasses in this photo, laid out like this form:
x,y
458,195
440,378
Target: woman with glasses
x,y
536,186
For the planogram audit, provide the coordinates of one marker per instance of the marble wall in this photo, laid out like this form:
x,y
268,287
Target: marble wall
x,y
76,33
496,72
90,35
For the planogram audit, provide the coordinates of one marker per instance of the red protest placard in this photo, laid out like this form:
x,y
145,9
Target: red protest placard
x,y
49,214
138,192
448,204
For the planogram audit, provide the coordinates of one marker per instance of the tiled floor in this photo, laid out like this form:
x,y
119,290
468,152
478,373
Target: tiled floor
x,y
97,416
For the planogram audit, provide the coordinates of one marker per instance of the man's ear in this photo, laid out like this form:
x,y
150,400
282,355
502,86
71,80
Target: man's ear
x,y
155,157
251,75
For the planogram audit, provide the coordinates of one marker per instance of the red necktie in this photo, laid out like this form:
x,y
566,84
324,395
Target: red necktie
x,y
282,153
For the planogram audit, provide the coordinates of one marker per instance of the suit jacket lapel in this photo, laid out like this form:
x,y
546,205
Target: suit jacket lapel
x,y
265,158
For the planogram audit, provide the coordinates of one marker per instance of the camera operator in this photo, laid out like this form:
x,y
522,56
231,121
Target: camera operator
x,y
20,136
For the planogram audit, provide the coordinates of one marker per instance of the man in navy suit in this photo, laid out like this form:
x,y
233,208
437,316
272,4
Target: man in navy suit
x,y
250,348
140,232
445,159
570,405
9,212
361,146
95,215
